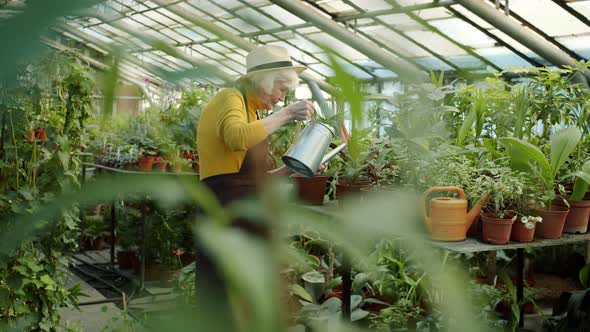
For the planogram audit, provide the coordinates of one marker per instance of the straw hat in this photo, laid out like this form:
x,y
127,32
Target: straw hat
x,y
268,58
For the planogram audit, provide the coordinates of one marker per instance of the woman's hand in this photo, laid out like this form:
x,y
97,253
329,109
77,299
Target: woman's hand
x,y
300,110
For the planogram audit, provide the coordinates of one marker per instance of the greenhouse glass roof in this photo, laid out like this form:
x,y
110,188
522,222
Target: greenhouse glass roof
x,y
164,36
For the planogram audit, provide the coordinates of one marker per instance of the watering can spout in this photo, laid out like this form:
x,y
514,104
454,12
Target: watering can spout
x,y
475,210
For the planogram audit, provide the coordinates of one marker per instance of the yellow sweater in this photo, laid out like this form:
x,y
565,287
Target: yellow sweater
x,y
224,133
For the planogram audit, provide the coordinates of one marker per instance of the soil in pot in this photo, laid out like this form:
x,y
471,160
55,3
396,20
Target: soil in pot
x,y
310,190
522,234
577,218
553,221
496,230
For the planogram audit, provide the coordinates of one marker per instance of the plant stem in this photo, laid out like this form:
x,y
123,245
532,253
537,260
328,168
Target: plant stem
x,y
15,151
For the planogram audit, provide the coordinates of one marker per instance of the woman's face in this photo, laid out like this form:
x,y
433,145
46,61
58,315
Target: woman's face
x,y
278,93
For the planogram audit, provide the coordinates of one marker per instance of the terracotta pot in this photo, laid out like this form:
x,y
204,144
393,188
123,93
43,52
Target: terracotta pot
x,y
188,154
496,230
473,230
41,134
310,190
196,167
98,243
125,259
177,168
345,189
160,165
30,136
577,218
553,221
146,163
522,234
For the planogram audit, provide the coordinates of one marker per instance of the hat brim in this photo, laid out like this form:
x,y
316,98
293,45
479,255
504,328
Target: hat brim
x,y
298,69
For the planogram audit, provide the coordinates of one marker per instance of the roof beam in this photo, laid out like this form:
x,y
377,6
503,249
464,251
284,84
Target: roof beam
x,y
406,70
163,46
129,76
524,36
232,38
395,10
539,31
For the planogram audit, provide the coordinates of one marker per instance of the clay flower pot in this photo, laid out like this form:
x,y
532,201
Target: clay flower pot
x,y
553,221
145,163
160,165
41,134
196,167
310,190
577,218
345,189
522,234
496,230
125,259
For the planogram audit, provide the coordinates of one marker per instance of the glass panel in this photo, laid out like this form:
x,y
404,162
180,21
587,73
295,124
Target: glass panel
x,y
412,2
549,17
144,21
433,63
208,7
355,71
305,44
207,52
203,32
113,30
503,57
436,43
226,27
161,19
175,36
97,35
267,39
336,7
396,41
282,15
241,25
518,46
372,5
236,69
237,57
581,6
255,18
174,17
139,42
464,33
433,13
308,30
230,4
466,61
322,69
191,34
339,47
578,44
133,24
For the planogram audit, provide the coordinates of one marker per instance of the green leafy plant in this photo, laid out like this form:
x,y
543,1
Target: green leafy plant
x,y
527,157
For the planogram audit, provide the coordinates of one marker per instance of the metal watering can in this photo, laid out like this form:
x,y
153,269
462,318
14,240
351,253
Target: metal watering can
x,y
306,154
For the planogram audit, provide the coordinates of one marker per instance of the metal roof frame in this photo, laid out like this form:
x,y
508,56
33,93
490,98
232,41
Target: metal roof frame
x,y
214,36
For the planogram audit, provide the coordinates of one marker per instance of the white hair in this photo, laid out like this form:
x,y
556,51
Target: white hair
x,y
266,81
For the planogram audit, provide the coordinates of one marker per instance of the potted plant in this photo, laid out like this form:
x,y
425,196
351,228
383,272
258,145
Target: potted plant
x,y
507,188
528,157
353,172
577,218
310,190
95,231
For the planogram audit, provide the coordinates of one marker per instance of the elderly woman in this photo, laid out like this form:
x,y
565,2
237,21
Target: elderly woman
x,y
233,139
233,150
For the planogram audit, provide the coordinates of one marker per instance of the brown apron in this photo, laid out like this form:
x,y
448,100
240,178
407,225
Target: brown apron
x,y
210,289
246,182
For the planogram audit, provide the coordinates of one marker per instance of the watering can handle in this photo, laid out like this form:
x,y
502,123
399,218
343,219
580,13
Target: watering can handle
x,y
459,191
298,128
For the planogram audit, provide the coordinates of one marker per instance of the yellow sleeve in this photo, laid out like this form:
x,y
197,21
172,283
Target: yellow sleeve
x,y
232,125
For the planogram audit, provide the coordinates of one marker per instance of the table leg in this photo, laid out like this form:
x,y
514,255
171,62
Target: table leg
x,y
520,283
346,290
143,245
113,225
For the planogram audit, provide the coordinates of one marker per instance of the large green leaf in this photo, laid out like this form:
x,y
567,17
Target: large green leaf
x,y
563,144
466,127
581,183
522,149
